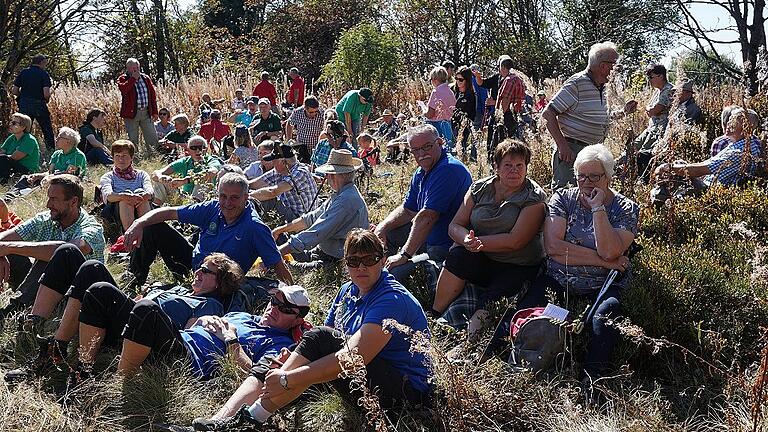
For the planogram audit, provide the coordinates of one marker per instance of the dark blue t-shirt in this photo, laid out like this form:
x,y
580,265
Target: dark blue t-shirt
x,y
205,349
388,299
441,189
31,81
243,241
181,306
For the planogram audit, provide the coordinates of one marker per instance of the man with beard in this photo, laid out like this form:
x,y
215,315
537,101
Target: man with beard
x,y
25,251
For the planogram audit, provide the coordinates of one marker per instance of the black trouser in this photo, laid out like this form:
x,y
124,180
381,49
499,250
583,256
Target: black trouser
x,y
172,246
63,267
148,325
106,307
392,387
9,167
38,110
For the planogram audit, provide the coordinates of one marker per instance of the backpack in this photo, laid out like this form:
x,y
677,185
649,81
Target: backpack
x,y
537,339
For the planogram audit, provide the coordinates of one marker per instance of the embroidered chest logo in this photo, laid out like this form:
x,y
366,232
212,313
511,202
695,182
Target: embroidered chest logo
x,y
212,228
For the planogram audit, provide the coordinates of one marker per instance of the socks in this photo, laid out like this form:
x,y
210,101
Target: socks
x,y
258,412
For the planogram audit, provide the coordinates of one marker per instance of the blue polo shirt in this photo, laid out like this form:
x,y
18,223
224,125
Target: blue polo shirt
x,y
205,349
441,189
481,94
388,299
181,306
243,241
31,81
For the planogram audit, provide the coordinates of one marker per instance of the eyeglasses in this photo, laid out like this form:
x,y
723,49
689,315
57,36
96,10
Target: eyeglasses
x,y
460,79
15,123
196,148
426,148
282,306
594,178
368,260
206,270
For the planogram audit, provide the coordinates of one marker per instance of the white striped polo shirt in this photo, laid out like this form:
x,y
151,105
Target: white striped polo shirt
x,y
582,109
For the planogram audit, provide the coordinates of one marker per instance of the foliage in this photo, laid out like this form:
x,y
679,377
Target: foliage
x,y
702,72
365,57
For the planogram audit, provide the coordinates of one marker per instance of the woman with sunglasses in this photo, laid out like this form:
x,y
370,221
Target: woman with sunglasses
x,y
464,115
107,313
587,233
19,153
355,328
164,126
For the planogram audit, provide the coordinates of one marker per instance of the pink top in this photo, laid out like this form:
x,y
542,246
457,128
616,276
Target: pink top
x,y
443,101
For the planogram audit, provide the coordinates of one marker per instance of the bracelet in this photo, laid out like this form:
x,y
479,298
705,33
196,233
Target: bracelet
x,y
598,209
405,254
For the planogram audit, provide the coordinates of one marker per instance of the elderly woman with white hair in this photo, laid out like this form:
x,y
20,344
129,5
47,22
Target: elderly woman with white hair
x,y
587,233
441,104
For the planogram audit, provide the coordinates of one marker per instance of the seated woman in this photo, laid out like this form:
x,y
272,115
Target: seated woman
x,y
176,141
126,191
19,154
92,138
588,230
67,159
260,166
245,152
321,232
250,340
497,231
396,374
107,314
163,125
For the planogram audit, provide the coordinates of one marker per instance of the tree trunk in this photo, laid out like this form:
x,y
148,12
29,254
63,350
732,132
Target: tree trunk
x,y
170,50
159,32
137,32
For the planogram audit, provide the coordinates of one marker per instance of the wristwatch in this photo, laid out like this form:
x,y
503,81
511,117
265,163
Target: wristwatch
x,y
598,208
229,342
405,254
284,381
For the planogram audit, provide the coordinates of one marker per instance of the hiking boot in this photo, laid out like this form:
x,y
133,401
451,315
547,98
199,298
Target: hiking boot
x,y
50,353
241,421
78,375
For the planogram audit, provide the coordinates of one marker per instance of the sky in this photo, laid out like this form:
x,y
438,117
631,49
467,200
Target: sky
x,y
715,19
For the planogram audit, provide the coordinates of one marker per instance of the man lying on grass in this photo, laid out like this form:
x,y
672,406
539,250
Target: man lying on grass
x,y
394,373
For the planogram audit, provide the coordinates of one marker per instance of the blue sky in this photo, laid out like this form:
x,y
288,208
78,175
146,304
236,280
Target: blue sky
x,y
715,19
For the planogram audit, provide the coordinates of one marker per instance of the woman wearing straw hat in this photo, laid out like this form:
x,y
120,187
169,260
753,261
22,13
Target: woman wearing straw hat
x,y
321,232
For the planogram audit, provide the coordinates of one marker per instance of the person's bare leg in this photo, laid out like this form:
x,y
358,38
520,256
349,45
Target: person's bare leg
x,y
69,321
131,357
127,213
294,361
91,339
449,286
143,208
247,394
45,302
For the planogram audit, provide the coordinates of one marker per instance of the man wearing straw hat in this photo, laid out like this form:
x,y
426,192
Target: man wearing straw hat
x,y
321,232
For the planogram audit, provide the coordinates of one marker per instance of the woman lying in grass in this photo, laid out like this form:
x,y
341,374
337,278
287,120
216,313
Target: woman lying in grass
x,y
353,337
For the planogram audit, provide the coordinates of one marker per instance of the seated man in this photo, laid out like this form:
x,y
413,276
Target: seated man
x,y
687,106
196,164
336,138
658,113
266,125
259,167
251,340
437,190
289,184
733,164
176,140
245,116
389,127
321,232
65,224
357,322
229,225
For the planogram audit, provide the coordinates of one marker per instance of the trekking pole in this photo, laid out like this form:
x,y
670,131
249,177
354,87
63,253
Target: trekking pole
x,y
319,188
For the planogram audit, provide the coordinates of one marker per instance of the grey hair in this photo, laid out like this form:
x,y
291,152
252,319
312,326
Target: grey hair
x,y
596,152
424,129
754,118
600,52
347,177
132,61
439,73
70,134
728,110
197,139
234,178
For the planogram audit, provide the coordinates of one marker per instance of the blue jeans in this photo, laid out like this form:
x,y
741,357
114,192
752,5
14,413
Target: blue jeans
x,y
445,130
97,156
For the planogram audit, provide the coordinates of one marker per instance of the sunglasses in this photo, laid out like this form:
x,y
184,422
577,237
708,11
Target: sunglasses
x,y
206,270
368,260
460,79
15,123
196,148
282,306
164,114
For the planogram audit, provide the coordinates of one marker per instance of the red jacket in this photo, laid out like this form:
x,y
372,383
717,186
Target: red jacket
x,y
265,89
127,86
214,129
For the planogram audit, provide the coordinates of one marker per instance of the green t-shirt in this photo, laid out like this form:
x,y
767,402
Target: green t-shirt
x,y
61,161
27,144
179,138
351,103
271,124
186,165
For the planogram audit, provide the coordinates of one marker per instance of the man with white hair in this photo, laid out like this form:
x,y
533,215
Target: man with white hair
x,y
181,173
436,192
139,105
578,115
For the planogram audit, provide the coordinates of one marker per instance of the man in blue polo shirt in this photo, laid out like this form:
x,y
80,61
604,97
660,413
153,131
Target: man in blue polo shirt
x,y
437,190
33,88
229,225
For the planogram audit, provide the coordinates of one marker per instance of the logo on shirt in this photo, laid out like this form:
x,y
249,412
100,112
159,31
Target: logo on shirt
x,y
212,228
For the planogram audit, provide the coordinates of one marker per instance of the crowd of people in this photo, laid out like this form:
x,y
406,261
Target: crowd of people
x,y
251,177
